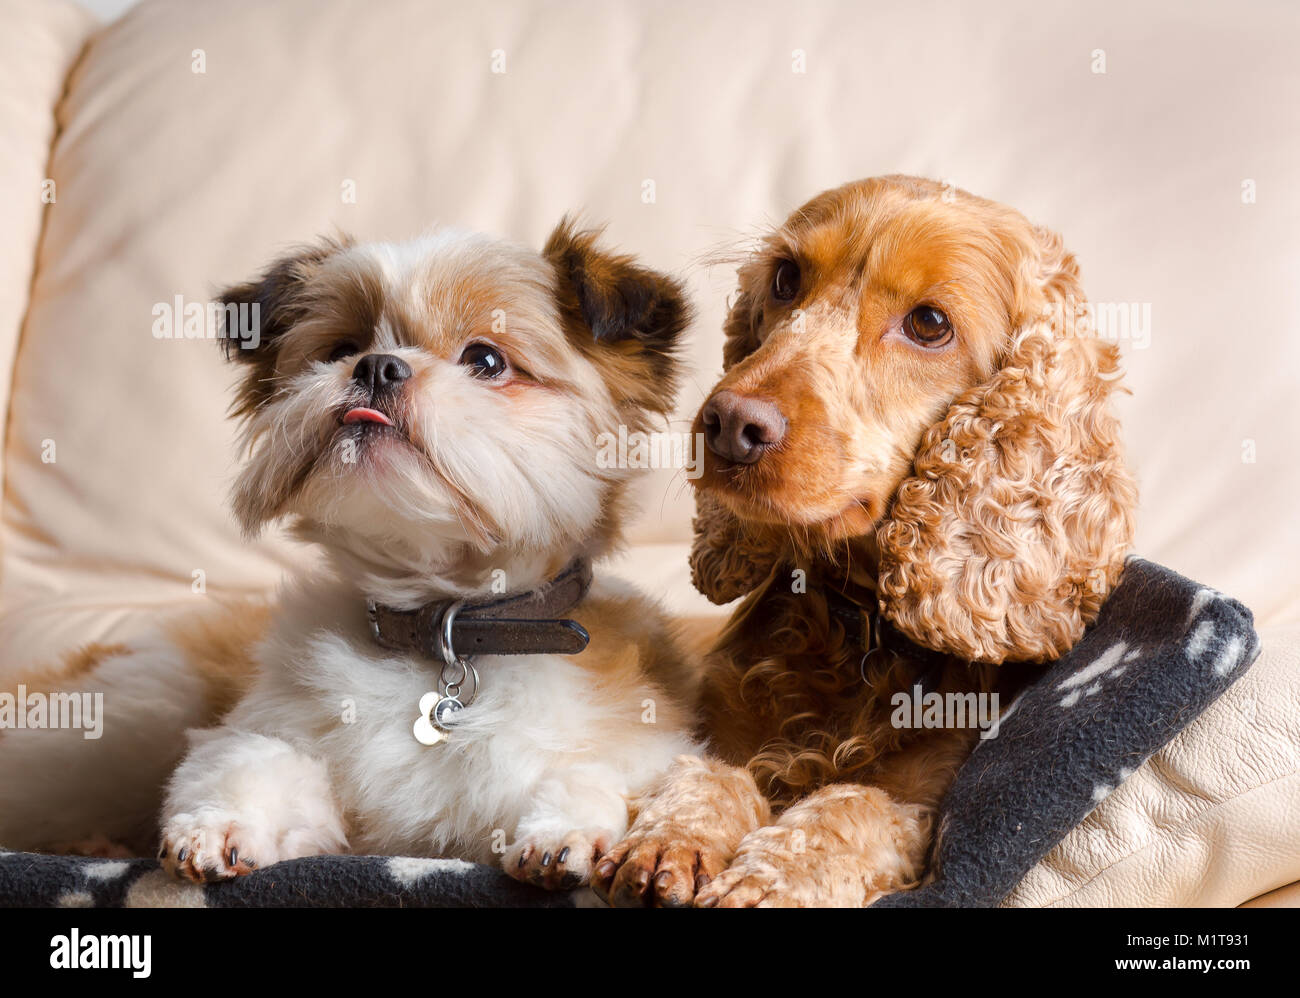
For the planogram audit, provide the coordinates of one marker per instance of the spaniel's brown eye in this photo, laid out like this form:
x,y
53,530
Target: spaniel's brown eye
x,y
344,349
483,361
928,326
785,282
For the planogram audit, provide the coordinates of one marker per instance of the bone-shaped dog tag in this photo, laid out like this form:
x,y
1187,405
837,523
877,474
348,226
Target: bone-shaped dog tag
x,y
444,710
424,730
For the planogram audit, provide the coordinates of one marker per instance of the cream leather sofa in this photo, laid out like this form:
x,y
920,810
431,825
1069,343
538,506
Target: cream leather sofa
x,y
177,148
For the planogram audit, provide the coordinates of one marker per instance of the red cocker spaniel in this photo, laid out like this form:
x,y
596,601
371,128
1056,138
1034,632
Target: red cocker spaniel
x,y
914,478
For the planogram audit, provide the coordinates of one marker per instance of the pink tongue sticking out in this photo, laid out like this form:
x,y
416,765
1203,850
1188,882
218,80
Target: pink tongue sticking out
x,y
366,416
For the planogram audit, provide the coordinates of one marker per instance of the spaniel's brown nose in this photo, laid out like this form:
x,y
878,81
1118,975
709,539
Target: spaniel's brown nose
x,y
739,428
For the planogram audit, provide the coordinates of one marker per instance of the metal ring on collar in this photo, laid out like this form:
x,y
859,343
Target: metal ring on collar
x,y
877,646
470,673
452,690
445,624
447,649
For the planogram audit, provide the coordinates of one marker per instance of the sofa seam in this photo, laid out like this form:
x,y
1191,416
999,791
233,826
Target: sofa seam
x,y
92,35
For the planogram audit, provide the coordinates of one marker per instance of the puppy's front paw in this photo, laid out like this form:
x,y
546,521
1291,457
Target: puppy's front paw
x,y
212,847
557,860
661,866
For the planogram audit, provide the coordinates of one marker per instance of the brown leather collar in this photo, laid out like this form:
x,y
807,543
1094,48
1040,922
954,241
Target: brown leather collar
x,y
523,624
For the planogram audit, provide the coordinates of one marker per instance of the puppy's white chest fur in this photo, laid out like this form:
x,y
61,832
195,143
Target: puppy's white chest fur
x,y
543,734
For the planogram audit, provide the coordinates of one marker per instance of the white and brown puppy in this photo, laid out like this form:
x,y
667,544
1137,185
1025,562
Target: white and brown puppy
x,y
427,413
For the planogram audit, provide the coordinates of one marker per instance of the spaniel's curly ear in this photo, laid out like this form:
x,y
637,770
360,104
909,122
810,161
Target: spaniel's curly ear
x,y
728,559
1014,526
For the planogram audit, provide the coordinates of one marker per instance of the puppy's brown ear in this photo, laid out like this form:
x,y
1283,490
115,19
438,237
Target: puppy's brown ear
x,y
1014,527
258,312
730,559
632,315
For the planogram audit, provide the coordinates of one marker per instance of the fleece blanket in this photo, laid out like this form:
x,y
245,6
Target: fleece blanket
x,y
1161,651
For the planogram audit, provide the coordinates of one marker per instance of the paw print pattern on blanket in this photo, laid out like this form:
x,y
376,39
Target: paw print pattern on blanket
x,y
1089,679
1202,638
1202,641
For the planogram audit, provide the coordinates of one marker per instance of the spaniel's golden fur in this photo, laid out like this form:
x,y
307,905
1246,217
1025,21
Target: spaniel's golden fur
x,y
973,491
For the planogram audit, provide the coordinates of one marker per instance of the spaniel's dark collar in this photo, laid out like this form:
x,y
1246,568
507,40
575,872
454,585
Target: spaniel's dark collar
x,y
528,623
867,627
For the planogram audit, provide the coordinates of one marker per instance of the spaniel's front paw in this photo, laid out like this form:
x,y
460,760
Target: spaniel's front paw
x,y
660,865
843,846
210,847
557,860
773,869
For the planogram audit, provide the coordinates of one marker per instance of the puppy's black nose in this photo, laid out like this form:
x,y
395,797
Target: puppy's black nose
x,y
378,371
739,428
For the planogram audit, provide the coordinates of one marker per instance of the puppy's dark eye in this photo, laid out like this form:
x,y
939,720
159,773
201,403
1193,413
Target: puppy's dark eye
x,y
344,349
483,361
785,282
927,326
